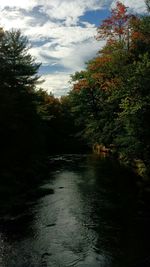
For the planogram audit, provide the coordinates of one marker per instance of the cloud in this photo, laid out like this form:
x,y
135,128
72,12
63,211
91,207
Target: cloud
x,y
68,11
28,4
137,6
57,83
60,36
71,10
61,41
13,18
70,58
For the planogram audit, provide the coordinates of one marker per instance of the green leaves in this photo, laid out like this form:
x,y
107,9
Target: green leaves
x,y
111,98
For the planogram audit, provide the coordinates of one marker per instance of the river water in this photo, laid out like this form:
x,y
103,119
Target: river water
x,y
95,217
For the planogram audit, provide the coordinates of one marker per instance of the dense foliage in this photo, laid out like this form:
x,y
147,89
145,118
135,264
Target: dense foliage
x,y
110,99
33,123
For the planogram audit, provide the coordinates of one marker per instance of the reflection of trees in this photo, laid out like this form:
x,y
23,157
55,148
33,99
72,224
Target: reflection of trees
x,y
111,201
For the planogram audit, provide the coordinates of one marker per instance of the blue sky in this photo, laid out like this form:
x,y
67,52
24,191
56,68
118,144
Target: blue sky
x,y
61,33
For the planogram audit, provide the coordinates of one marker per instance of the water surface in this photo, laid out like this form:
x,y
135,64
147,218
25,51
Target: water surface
x,y
95,218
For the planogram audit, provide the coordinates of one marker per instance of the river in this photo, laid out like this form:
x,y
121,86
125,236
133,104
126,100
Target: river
x,y
94,217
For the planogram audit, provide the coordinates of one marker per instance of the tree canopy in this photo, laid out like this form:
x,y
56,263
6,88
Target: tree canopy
x,y
111,97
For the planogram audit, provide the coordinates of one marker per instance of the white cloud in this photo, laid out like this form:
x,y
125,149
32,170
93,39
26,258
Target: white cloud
x,y
80,53
71,52
137,6
60,40
14,19
60,34
70,10
57,83
72,58
67,10
27,4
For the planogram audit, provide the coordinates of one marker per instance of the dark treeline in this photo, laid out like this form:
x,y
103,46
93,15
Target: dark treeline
x,y
34,124
108,105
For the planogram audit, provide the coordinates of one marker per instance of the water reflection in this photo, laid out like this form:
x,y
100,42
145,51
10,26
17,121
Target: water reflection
x,y
93,219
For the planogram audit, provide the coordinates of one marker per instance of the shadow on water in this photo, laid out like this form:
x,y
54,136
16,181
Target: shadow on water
x,y
87,214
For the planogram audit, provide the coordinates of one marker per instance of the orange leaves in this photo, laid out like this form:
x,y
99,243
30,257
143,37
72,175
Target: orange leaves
x,y
136,32
136,35
119,31
121,27
116,25
121,8
99,62
99,80
111,84
119,12
104,82
98,76
100,72
81,84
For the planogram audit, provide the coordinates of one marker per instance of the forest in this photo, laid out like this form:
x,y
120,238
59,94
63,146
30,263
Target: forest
x,y
108,104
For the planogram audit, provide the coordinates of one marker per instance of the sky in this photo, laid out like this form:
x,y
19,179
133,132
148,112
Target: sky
x,y
61,33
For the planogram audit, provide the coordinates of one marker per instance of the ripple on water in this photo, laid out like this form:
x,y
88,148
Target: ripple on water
x,y
90,220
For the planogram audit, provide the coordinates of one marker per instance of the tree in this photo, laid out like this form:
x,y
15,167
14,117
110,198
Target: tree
x,y
19,121
140,35
111,97
134,114
148,5
16,59
116,27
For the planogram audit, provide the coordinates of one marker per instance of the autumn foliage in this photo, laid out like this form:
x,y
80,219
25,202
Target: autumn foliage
x,y
109,102
116,26
111,97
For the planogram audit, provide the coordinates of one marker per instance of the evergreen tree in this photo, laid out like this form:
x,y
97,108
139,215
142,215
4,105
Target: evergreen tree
x,y
19,121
